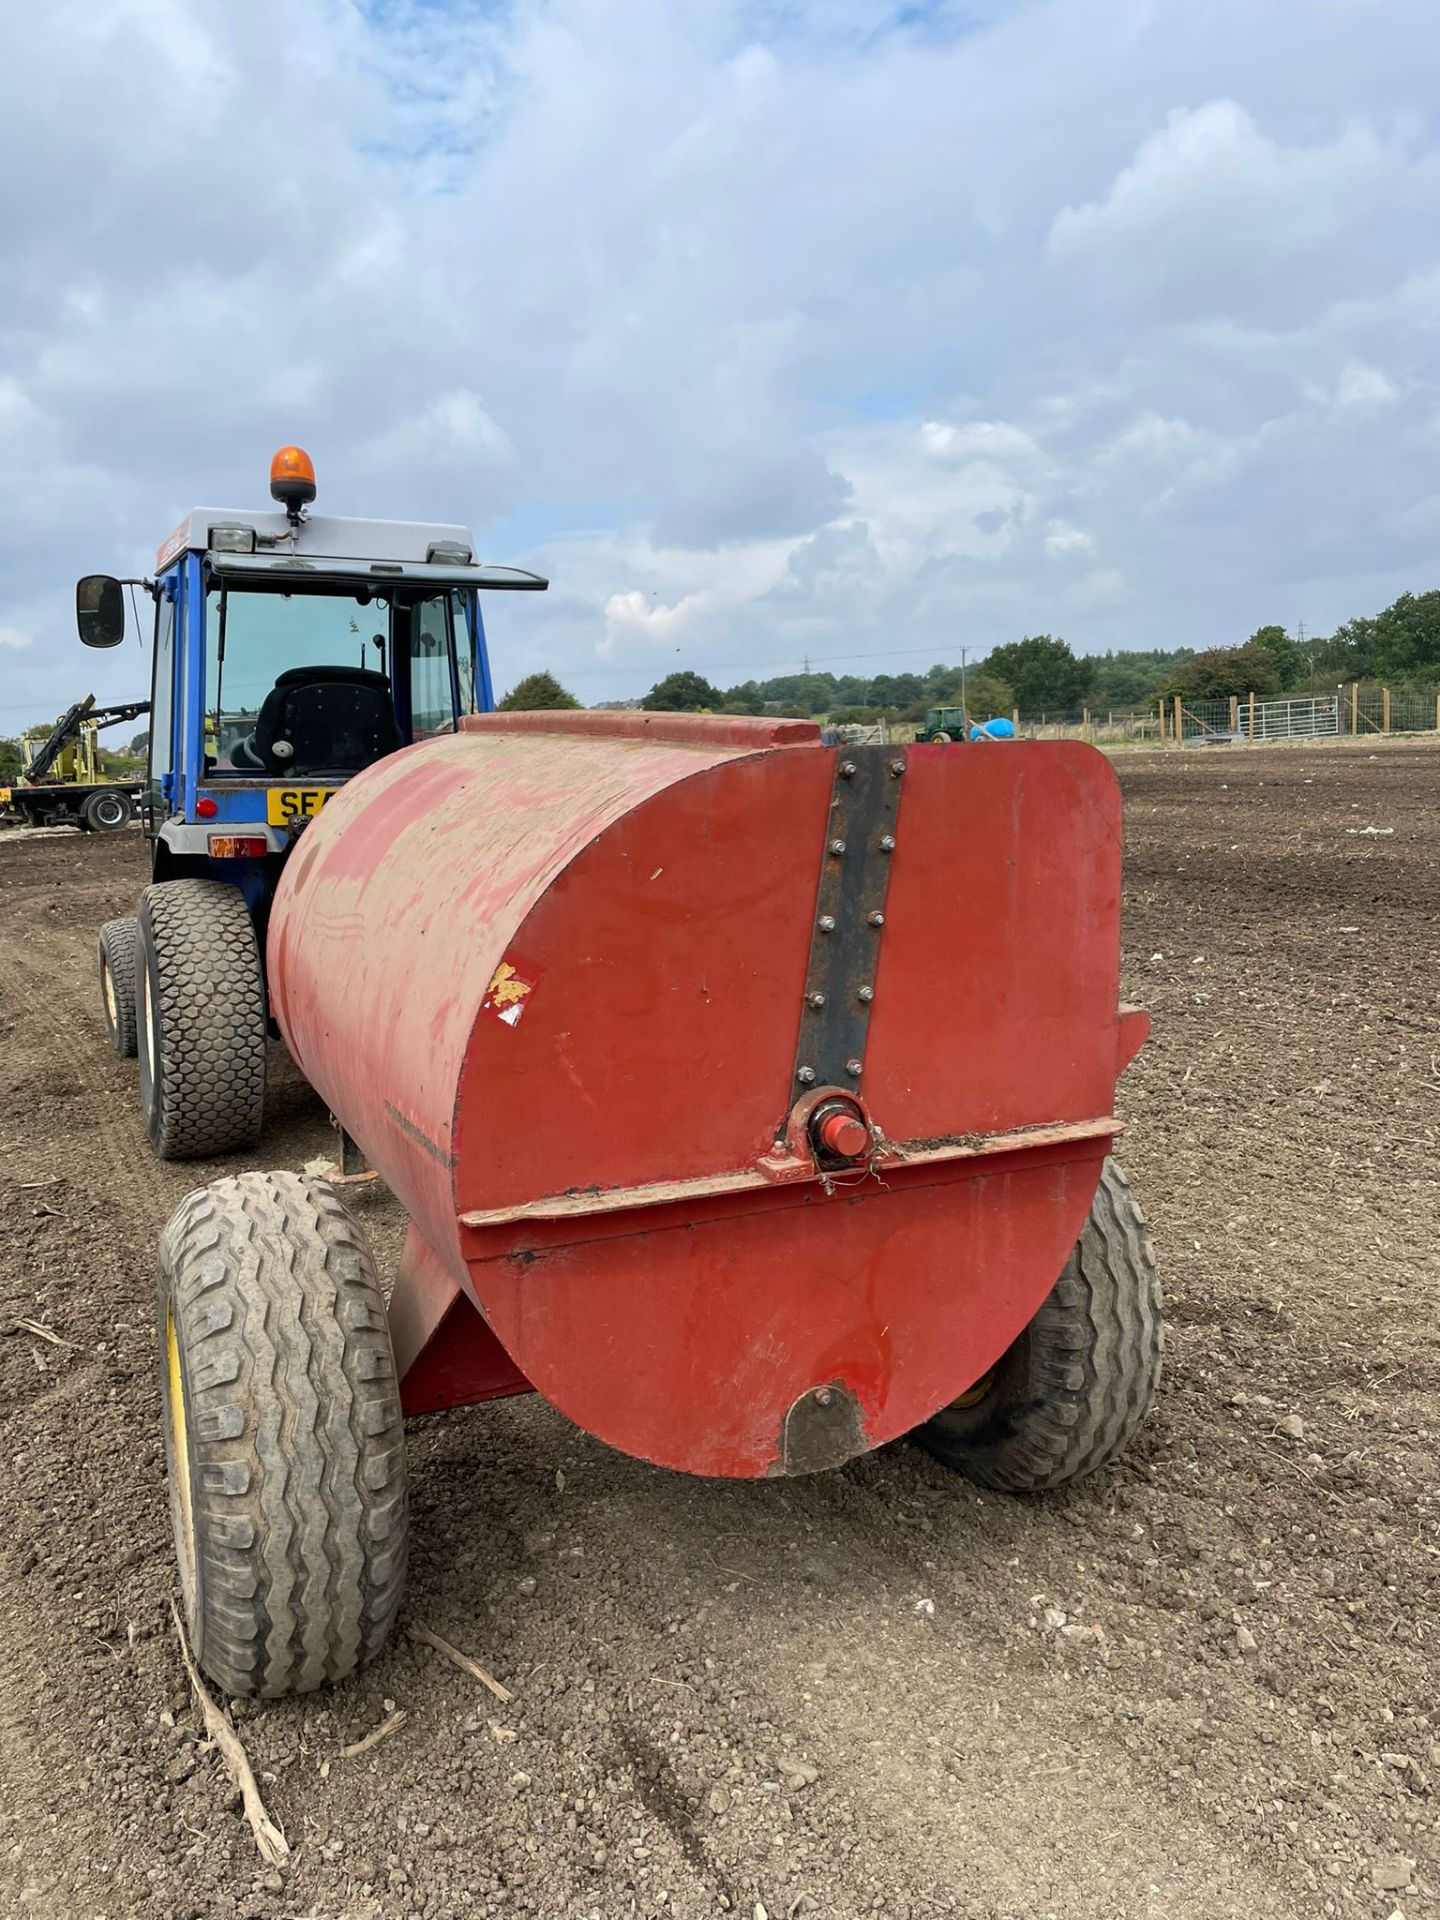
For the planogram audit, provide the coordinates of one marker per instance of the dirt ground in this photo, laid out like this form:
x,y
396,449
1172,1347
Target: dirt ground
x,y
846,1695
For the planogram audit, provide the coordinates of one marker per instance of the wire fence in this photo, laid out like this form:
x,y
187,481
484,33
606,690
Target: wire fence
x,y
1357,711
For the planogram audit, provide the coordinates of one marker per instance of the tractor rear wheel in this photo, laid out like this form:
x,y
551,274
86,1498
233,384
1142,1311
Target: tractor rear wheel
x,y
1068,1394
201,1023
117,956
283,1434
107,812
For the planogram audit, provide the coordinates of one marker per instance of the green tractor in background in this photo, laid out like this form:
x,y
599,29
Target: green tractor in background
x,y
945,724
942,725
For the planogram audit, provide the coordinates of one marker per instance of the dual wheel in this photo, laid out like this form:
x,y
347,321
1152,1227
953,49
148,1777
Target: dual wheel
x,y
181,985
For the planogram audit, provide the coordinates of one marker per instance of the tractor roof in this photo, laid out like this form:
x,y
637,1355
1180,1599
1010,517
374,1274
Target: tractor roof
x,y
319,535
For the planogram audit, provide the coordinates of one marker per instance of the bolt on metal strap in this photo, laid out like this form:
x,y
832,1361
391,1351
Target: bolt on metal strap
x,y
860,841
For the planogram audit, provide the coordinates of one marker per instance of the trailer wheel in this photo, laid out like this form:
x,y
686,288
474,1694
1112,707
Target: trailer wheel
x,y
1069,1393
201,1020
117,958
283,1434
107,812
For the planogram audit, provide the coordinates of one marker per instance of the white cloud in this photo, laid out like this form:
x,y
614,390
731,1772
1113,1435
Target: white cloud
x,y
1062,539
1360,386
979,439
1213,162
1150,436
13,637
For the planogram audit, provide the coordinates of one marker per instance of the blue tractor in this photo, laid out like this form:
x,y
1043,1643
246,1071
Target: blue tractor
x,y
291,651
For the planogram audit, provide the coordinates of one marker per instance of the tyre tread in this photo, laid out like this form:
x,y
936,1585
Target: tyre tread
x,y
117,948
208,1086
301,1540
1093,1351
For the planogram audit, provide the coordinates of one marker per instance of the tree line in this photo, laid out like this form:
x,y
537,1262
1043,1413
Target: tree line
x,y
1399,647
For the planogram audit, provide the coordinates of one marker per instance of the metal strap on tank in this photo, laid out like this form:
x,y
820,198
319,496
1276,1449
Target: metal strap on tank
x,y
860,839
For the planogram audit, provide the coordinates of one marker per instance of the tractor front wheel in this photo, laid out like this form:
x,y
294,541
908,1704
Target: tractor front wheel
x,y
283,1434
1070,1391
117,956
201,1023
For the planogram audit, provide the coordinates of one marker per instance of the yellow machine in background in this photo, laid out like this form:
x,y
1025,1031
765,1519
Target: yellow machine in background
x,y
61,781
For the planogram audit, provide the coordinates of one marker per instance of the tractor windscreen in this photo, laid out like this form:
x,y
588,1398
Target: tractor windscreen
x,y
310,682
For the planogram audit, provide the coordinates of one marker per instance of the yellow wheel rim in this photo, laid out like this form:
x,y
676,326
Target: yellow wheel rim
x,y
149,1008
179,1455
972,1396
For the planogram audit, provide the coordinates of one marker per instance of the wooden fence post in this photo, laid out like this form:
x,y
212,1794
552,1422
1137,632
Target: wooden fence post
x,y
1179,723
1437,713
1384,709
1085,721
1252,717
1354,707
1234,713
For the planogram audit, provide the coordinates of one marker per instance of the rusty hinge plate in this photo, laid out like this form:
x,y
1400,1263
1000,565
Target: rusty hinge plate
x,y
860,839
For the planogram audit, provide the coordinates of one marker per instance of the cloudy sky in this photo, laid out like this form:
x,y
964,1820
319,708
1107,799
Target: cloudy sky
x,y
767,329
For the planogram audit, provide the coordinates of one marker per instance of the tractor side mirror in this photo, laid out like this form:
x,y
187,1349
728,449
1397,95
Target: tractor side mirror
x,y
100,610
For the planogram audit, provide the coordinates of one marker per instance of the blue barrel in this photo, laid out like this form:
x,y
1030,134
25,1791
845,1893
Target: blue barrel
x,y
993,730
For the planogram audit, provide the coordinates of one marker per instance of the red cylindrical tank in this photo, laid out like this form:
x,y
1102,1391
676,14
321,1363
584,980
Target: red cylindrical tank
x,y
739,1191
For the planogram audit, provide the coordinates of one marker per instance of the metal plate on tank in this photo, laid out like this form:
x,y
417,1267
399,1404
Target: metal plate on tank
x,y
860,840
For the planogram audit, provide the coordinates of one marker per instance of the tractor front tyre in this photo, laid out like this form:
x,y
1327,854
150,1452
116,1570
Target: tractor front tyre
x,y
283,1434
1070,1391
107,812
117,957
201,1020
942,739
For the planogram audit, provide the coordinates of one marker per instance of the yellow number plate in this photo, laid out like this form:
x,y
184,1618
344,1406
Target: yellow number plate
x,y
284,804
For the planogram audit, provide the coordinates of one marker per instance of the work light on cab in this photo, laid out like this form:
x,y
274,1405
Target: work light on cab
x,y
292,480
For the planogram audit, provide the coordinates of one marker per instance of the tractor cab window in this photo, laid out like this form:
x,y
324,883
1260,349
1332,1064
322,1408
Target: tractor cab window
x,y
430,655
321,683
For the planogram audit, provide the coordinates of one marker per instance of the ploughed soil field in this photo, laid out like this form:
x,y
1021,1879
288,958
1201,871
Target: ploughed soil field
x,y
1204,1684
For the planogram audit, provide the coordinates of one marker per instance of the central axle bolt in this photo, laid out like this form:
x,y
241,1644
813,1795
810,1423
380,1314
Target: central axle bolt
x,y
842,1133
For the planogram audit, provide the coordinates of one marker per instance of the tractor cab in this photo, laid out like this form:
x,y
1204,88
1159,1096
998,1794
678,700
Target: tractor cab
x,y
291,652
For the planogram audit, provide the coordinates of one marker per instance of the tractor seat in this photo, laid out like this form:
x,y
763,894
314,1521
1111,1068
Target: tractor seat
x,y
332,719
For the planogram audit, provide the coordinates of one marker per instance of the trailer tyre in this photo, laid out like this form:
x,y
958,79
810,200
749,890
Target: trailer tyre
x,y
1069,1393
283,1434
107,812
201,1020
117,958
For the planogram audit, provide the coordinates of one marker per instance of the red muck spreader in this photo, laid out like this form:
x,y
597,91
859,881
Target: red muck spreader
x,y
751,1100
